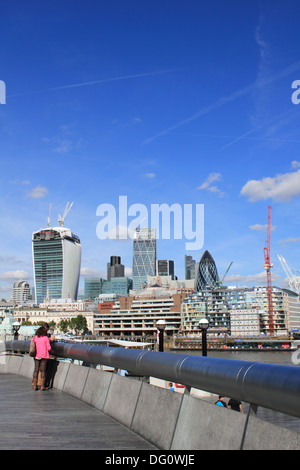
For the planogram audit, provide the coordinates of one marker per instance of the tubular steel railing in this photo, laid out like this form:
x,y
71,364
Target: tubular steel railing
x,y
268,385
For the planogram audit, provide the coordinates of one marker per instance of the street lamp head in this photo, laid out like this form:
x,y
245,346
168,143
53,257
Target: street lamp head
x,y
203,324
161,324
16,326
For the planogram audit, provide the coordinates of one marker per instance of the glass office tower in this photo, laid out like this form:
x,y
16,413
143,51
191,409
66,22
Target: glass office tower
x,y
144,256
207,275
56,256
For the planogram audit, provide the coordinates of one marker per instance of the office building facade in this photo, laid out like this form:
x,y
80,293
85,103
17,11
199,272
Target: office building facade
x,y
144,256
93,287
117,285
56,264
165,267
115,268
190,266
21,292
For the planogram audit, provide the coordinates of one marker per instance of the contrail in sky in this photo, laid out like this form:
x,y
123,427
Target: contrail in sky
x,y
95,82
227,99
259,127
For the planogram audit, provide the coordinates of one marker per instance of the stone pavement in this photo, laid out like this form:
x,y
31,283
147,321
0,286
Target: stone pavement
x,y
54,420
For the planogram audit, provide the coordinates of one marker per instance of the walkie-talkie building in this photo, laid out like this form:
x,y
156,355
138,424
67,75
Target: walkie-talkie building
x,y
56,264
144,256
207,275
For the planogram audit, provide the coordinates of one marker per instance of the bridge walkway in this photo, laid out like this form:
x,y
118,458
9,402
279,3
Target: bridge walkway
x,y
35,420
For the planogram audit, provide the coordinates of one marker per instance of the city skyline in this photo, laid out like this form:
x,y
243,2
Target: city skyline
x,y
161,102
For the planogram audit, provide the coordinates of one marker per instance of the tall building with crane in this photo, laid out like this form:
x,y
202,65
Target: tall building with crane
x,y
268,267
56,253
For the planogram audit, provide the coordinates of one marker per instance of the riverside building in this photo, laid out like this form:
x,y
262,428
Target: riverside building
x,y
241,311
56,263
138,314
55,311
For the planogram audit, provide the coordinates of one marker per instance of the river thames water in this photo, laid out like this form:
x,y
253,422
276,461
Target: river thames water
x,y
272,357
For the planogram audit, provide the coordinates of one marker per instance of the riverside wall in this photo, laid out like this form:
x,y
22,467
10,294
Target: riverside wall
x,y
170,420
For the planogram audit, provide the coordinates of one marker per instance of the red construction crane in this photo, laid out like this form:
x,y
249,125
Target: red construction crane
x,y
268,267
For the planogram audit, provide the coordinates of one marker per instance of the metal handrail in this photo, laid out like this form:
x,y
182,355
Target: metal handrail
x,y
268,385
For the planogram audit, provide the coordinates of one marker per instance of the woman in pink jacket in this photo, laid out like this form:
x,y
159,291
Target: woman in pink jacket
x,y
43,347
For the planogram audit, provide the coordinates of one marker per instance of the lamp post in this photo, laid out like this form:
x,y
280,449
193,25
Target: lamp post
x,y
16,326
203,324
161,325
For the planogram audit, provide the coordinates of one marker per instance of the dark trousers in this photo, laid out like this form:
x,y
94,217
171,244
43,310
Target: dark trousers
x,y
40,365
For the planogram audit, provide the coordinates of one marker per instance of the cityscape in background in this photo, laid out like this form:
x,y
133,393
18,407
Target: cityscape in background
x,y
121,306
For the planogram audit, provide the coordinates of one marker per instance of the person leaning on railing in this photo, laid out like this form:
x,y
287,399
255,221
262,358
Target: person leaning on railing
x,y
43,347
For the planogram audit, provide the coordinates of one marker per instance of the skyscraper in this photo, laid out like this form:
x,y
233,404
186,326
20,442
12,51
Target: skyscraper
x,y
207,274
165,267
115,268
144,256
189,264
56,263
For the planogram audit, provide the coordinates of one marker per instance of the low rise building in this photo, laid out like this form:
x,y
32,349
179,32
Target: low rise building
x,y
137,315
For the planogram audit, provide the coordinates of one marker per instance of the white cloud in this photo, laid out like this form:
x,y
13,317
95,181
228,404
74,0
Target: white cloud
x,y
21,182
260,227
281,188
295,164
211,177
14,275
290,240
64,141
150,175
120,233
260,278
212,188
90,272
128,272
38,192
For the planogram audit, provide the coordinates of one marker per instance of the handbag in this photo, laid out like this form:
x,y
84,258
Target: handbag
x,y
32,349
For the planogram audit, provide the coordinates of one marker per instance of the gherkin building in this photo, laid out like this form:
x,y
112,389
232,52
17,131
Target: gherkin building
x,y
207,276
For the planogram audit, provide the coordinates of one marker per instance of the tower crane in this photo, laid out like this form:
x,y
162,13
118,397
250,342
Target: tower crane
x,y
268,267
294,281
222,280
61,219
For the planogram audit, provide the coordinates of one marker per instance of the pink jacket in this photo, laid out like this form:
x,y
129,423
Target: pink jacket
x,y
42,346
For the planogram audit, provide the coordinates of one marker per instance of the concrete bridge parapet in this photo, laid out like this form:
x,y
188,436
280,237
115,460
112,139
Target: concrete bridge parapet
x,y
169,420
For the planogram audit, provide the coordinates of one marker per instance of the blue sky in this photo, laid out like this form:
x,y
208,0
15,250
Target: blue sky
x,y
184,102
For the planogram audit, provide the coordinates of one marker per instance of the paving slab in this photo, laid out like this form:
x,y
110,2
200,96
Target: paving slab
x,y
36,420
